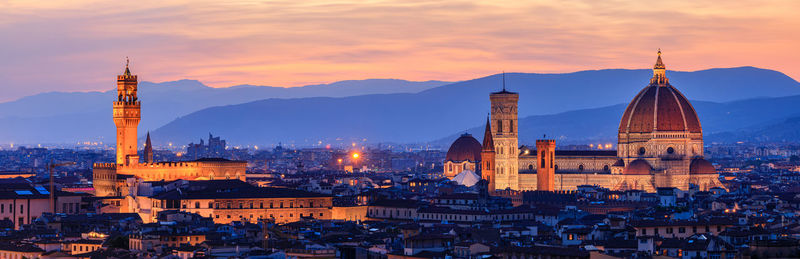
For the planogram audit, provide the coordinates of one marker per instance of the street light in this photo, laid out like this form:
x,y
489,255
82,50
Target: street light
x,y
52,185
355,160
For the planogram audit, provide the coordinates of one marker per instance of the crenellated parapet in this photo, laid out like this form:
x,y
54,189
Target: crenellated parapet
x,y
104,166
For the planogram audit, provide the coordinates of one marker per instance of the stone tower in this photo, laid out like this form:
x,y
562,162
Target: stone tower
x,y
545,171
488,157
126,117
504,117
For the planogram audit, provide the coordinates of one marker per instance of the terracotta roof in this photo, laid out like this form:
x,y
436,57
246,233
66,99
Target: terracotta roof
x,y
465,148
638,167
659,107
701,166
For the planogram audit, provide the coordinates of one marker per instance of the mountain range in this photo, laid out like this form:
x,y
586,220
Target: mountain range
x,y
61,117
576,107
563,105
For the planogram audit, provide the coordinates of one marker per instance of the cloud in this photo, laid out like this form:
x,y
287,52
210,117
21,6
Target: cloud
x,y
81,45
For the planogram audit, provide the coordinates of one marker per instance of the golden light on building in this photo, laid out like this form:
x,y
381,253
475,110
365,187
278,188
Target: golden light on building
x,y
339,160
356,155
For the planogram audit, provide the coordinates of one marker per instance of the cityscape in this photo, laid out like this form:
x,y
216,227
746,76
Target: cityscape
x,y
656,162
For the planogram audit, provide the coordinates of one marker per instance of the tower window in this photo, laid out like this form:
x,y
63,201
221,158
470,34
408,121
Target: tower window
x,y
511,124
670,150
499,125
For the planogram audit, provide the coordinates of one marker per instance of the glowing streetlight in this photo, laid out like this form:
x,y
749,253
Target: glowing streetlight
x,y
355,155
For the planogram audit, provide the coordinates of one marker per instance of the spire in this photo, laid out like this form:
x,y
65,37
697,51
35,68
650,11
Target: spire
x,y
148,150
127,70
659,72
488,141
659,63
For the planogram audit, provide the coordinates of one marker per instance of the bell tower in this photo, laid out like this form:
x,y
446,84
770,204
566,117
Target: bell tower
x,y
545,171
504,132
488,156
127,116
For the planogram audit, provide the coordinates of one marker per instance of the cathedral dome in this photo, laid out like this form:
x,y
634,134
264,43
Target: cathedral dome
x,y
659,107
638,167
701,166
465,148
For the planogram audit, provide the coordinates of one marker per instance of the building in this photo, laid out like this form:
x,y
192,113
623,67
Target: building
x,y
226,201
21,203
214,149
660,144
109,177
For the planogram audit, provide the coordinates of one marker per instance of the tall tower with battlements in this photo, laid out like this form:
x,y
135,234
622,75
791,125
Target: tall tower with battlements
x,y
504,131
127,114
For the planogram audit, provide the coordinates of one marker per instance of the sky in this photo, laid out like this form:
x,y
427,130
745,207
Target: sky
x,y
81,45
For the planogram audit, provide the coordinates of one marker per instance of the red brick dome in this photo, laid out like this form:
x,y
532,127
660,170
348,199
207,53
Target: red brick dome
x,y
465,148
638,167
701,166
659,107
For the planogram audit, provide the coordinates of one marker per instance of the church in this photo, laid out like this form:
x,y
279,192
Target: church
x,y
110,178
660,144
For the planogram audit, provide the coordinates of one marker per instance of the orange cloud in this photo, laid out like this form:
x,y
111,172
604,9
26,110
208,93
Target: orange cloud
x,y
81,45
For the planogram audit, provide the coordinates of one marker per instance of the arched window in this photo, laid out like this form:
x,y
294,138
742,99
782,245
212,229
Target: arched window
x,y
580,168
641,151
499,125
530,167
670,150
556,167
605,168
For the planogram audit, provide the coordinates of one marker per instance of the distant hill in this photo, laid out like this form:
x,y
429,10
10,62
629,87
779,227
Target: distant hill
x,y
59,117
759,119
432,114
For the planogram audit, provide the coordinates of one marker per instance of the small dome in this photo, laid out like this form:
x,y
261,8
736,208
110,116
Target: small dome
x,y
465,148
467,178
701,166
619,162
638,167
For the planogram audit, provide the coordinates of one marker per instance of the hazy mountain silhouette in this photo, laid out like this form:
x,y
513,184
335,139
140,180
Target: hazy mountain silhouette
x,y
447,110
81,116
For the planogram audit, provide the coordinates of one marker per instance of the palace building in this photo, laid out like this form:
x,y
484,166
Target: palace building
x,y
109,177
660,144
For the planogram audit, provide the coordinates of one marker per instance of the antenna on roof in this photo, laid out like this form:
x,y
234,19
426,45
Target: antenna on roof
x,y
504,81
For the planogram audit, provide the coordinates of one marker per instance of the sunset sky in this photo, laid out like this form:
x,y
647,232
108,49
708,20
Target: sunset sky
x,y
81,45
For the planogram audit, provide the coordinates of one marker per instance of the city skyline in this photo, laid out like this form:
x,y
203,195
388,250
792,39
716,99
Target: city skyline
x,y
292,44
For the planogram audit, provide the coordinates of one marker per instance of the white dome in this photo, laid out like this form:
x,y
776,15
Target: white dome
x,y
467,178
